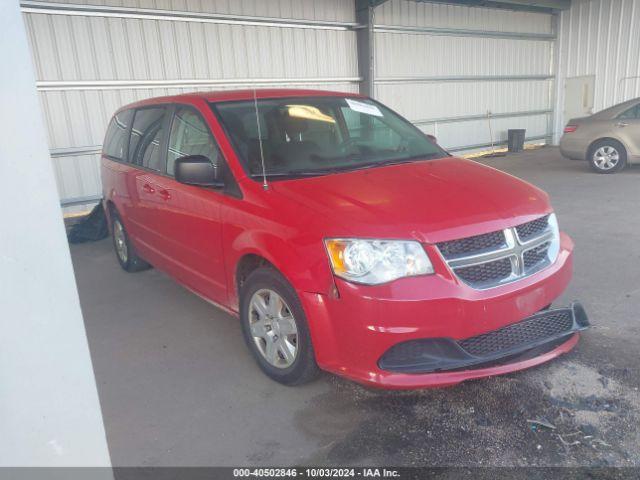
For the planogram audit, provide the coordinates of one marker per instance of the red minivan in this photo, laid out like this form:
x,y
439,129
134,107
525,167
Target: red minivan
x,y
343,237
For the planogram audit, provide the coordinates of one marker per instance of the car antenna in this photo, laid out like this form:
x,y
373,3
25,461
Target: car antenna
x,y
264,172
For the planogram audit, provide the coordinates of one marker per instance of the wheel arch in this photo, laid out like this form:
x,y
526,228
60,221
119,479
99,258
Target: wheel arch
x,y
305,272
247,264
601,139
109,209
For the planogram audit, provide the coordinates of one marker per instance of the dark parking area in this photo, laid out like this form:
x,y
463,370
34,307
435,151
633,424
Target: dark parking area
x,y
178,387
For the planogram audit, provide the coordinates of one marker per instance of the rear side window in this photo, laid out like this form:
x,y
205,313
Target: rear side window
x,y
632,113
146,136
116,139
191,136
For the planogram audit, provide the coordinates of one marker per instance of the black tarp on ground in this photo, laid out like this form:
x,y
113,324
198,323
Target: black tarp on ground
x,y
91,228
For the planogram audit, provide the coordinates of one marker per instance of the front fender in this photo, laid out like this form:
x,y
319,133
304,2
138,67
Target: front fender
x,y
302,261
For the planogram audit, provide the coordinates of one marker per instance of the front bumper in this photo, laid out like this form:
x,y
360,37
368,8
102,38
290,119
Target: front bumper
x,y
352,333
538,333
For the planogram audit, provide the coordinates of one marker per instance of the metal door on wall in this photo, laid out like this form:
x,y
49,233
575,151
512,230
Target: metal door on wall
x,y
578,96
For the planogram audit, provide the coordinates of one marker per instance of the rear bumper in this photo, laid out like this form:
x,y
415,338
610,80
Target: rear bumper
x,y
573,148
352,333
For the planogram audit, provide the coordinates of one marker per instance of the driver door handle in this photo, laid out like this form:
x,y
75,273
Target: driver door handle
x,y
148,188
164,194
621,124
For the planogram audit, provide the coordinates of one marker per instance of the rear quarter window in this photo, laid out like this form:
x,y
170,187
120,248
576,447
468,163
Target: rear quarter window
x,y
117,137
631,113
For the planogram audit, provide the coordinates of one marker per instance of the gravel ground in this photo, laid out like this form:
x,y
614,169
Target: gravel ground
x,y
178,387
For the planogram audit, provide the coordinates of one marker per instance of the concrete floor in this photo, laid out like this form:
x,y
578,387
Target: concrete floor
x,y
178,387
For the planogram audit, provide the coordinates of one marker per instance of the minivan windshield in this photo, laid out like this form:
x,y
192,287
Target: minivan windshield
x,y
320,135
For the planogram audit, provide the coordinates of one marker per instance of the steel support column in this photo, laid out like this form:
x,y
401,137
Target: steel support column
x,y
365,43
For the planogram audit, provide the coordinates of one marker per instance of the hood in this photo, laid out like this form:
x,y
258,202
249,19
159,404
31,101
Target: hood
x,y
429,201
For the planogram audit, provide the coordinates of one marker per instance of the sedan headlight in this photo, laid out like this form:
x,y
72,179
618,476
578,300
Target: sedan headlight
x,y
376,261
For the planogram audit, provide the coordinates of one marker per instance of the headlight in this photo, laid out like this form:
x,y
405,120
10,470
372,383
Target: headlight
x,y
554,248
376,261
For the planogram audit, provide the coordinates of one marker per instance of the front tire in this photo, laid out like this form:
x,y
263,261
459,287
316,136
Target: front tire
x,y
607,156
275,328
129,260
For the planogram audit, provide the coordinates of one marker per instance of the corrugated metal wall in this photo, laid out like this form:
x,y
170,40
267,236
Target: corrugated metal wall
x,y
600,38
445,66
90,60
442,66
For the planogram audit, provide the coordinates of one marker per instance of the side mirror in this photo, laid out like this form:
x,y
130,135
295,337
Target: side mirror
x,y
432,138
197,170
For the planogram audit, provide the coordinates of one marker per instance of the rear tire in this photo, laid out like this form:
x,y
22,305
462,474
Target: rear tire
x,y
275,328
129,260
607,156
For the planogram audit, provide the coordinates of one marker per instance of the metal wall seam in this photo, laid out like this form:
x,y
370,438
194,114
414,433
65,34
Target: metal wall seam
x,y
75,151
69,202
466,118
497,142
63,85
461,78
554,49
30,6
461,32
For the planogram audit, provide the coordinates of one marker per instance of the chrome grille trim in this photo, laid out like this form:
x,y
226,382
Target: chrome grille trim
x,y
515,251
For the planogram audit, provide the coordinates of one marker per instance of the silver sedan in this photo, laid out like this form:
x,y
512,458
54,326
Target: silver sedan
x,y
608,140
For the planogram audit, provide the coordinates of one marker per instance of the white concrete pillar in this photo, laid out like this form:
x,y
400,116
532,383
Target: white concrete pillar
x,y
49,409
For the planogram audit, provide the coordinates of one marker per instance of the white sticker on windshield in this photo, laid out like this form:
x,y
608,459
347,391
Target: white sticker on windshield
x,y
362,107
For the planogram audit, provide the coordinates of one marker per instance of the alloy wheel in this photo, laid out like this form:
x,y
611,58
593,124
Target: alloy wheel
x,y
606,157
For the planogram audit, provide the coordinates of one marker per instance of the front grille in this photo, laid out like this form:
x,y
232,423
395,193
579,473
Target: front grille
x,y
536,256
488,273
531,330
472,245
532,229
494,258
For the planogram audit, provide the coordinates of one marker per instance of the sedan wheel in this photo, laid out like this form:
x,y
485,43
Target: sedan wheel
x,y
606,158
273,328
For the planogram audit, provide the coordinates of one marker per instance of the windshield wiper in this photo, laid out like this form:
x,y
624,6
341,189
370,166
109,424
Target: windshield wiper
x,y
412,158
394,161
345,168
295,173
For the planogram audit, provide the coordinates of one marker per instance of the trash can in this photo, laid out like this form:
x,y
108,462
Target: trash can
x,y
515,138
